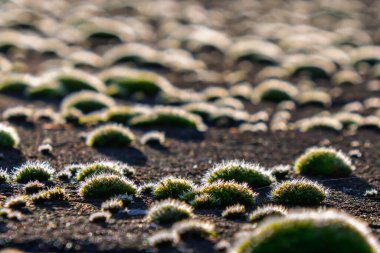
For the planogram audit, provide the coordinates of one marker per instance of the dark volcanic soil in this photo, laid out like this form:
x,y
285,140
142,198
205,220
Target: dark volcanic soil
x,y
65,226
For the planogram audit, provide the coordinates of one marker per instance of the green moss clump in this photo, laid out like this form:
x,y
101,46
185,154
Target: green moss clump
x,y
33,171
99,167
4,177
267,211
33,187
222,194
113,205
87,102
16,202
299,192
234,212
171,187
312,232
110,135
194,229
324,162
169,117
123,114
164,238
275,91
105,186
169,211
8,137
241,172
53,194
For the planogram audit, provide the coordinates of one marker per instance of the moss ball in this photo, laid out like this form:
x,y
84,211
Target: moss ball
x,y
8,136
264,212
99,167
312,232
299,192
223,194
169,211
324,162
33,171
171,187
241,172
109,136
105,186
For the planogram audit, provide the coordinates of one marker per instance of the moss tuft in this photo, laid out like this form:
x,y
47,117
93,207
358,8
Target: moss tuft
x,y
169,117
87,102
163,238
275,91
33,171
18,114
52,194
16,202
153,138
312,232
281,171
100,217
222,194
105,186
264,212
110,135
320,122
4,176
194,229
33,187
169,211
171,187
99,167
324,162
8,136
299,192
234,211
113,205
241,172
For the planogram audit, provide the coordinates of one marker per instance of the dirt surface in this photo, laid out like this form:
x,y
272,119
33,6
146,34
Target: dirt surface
x,y
65,226
58,226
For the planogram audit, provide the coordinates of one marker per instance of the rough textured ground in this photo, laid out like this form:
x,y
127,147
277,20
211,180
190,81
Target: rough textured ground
x,y
64,226
58,226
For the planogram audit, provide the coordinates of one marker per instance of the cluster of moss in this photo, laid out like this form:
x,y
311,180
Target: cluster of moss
x,y
8,136
106,186
313,231
86,102
222,194
52,194
171,187
169,211
299,192
169,117
324,162
234,211
275,91
241,172
33,171
99,167
110,135
320,122
267,211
